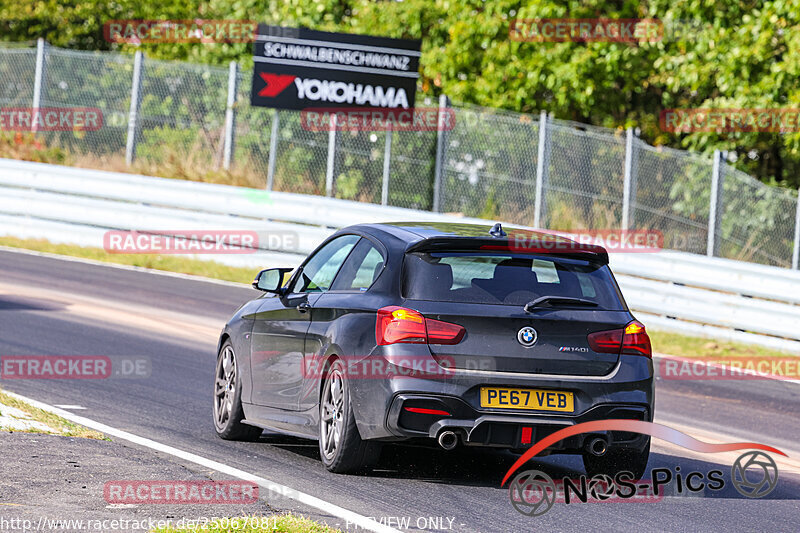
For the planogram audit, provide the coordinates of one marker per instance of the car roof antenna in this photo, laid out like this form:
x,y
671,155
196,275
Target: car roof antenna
x,y
497,231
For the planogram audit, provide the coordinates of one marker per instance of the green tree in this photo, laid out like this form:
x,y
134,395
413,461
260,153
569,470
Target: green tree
x,y
722,54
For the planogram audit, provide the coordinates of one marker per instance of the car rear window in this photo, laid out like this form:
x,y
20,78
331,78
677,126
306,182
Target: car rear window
x,y
506,279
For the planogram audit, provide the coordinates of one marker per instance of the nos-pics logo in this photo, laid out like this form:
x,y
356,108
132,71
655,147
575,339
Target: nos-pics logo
x,y
532,492
754,473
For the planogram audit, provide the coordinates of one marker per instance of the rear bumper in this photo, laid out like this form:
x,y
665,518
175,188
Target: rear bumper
x,y
626,392
516,431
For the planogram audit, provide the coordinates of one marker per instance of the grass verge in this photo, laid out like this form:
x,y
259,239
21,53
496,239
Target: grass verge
x,y
59,425
255,524
703,348
166,160
168,263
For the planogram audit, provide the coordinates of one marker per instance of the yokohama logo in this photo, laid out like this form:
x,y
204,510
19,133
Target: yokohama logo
x,y
336,91
340,92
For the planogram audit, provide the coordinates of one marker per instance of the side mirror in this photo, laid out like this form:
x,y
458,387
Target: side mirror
x,y
270,280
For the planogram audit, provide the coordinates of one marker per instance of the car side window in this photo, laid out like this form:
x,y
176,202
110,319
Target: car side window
x,y
361,269
318,273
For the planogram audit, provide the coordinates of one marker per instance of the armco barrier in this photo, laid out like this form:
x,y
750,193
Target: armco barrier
x,y
671,290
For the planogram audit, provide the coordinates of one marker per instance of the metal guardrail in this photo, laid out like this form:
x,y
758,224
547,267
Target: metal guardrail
x,y
522,167
671,290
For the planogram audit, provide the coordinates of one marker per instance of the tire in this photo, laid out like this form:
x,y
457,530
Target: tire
x,y
340,445
618,460
228,413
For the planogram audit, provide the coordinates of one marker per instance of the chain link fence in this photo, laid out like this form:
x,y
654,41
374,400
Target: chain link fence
x,y
673,195
489,168
82,79
16,81
490,165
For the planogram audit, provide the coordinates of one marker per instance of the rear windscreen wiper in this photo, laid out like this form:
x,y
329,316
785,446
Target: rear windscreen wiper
x,y
557,300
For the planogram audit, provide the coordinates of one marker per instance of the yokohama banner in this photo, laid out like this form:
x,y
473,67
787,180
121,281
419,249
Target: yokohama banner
x,y
301,69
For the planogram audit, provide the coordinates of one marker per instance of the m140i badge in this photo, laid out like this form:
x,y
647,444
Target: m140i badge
x,y
579,349
527,336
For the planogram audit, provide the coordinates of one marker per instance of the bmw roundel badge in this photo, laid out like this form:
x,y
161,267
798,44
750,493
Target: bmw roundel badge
x,y
527,336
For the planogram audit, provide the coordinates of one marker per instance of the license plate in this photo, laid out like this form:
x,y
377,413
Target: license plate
x,y
528,399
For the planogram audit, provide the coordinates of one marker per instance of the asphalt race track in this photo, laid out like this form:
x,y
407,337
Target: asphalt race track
x,y
51,306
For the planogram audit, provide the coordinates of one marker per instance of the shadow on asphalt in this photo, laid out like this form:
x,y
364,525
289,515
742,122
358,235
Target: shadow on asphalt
x,y
487,467
18,303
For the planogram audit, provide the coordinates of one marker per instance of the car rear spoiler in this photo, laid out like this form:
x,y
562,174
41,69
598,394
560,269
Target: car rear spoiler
x,y
551,245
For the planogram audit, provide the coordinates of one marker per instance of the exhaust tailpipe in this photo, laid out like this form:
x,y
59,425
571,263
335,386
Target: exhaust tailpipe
x,y
597,446
448,440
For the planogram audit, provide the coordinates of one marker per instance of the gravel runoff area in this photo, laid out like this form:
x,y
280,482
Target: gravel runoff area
x,y
47,479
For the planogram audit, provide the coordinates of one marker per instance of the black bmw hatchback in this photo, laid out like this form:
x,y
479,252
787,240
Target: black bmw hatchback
x,y
459,334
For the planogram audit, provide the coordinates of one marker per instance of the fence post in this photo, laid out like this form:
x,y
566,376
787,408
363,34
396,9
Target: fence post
x,y
387,156
133,115
273,148
715,209
796,250
629,184
441,152
331,157
542,170
230,115
38,80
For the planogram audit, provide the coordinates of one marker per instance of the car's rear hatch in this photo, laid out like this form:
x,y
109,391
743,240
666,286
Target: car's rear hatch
x,y
491,341
486,292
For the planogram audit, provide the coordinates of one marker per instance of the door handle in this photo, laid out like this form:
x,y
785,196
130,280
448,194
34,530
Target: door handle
x,y
303,307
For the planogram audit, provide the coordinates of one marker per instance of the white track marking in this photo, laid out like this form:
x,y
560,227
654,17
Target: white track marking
x,y
282,490
71,407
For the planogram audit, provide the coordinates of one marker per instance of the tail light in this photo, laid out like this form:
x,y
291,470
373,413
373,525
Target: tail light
x,y
631,340
398,324
606,341
636,341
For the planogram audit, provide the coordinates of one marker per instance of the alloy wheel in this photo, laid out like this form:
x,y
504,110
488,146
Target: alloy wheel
x,y
225,387
332,412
